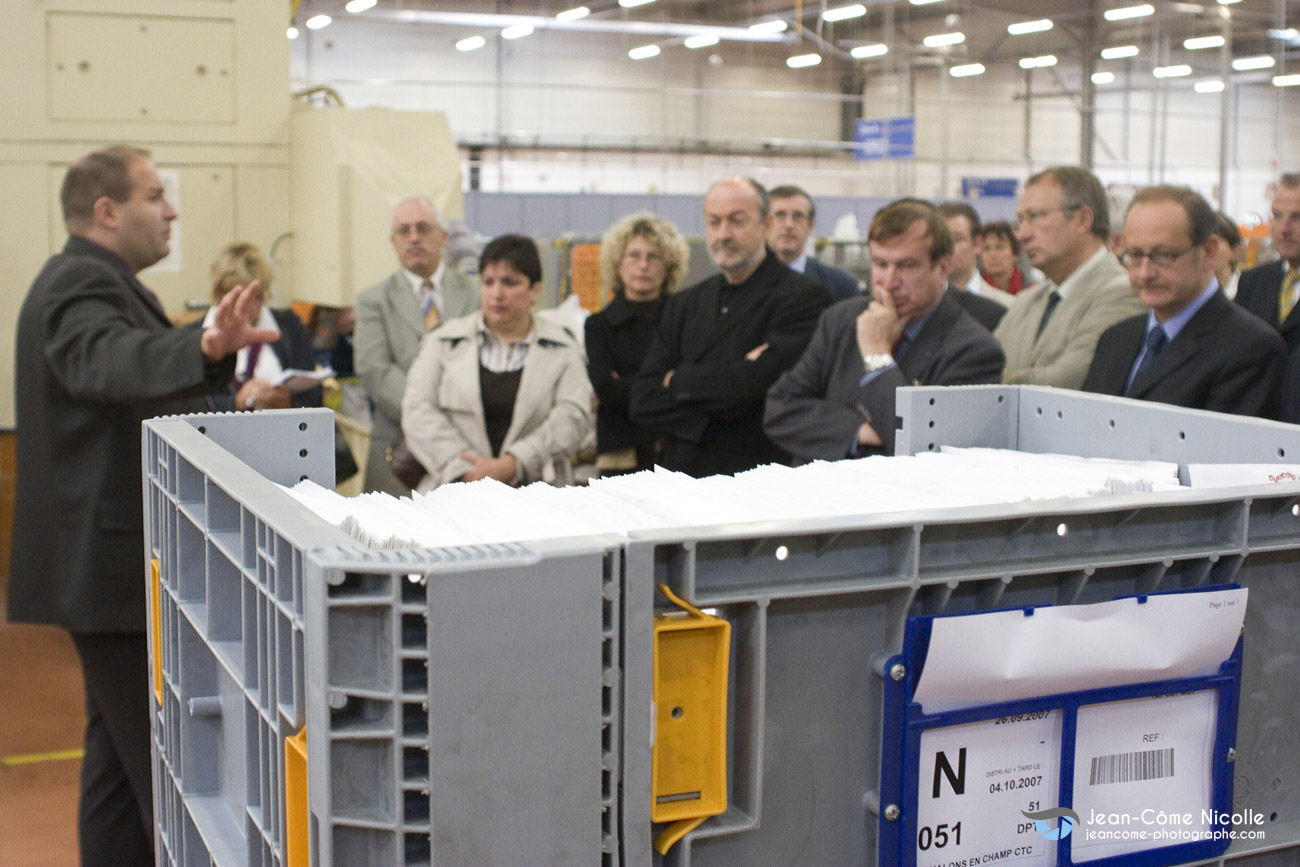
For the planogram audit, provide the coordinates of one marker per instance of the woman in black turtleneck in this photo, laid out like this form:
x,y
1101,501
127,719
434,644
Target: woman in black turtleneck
x,y
642,261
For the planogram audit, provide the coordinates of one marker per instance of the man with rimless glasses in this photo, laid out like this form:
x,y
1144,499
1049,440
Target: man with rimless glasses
x,y
1051,331
1193,347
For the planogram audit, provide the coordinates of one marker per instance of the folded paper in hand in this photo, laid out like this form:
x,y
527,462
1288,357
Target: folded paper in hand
x,y
301,380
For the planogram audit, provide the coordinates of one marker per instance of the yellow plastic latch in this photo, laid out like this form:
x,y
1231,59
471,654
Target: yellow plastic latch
x,y
155,626
296,847
688,762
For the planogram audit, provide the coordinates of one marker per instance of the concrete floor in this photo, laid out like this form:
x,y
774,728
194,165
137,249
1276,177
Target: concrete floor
x,y
42,721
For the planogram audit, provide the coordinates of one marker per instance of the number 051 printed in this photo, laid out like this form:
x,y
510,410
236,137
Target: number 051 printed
x,y
976,783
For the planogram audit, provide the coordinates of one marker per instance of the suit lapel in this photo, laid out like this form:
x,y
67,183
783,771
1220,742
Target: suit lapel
x,y
921,355
531,390
150,300
1182,349
1115,369
404,304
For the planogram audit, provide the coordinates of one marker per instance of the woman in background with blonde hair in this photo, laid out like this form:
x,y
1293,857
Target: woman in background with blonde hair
x,y
257,366
642,260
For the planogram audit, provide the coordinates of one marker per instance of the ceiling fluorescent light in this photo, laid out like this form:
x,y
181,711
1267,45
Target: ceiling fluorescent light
x,y
924,2
573,14
1177,71
1288,34
628,4
1042,62
966,70
1126,12
877,50
355,6
1208,86
1022,27
469,43
704,40
776,26
518,31
800,61
1262,61
940,39
1228,2
1118,52
644,52
316,22
843,13
1286,80
1103,77
1203,42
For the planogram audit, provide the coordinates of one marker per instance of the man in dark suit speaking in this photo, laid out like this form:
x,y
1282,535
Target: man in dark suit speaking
x,y
95,357
838,400
1194,347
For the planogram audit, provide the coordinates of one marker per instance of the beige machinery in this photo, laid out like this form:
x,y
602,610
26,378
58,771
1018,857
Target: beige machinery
x,y
205,86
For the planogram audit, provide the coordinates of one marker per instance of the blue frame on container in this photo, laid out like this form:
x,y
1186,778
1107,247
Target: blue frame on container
x,y
904,722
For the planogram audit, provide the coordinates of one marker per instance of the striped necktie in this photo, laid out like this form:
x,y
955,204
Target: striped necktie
x,y
427,308
1286,298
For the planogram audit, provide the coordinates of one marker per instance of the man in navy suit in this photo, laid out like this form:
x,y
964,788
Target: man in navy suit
x,y
1193,347
794,216
1270,291
838,400
1260,289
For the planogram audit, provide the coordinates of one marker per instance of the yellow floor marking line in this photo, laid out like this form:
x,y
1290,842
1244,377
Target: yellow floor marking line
x,y
34,758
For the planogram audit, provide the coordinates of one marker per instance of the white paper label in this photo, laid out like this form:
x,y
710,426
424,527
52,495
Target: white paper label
x,y
976,781
1142,774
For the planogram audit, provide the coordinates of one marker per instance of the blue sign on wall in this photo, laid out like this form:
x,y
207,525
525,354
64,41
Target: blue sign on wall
x,y
999,188
890,138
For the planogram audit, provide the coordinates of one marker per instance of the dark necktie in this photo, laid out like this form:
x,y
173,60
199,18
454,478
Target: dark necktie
x,y
1052,301
1155,342
250,364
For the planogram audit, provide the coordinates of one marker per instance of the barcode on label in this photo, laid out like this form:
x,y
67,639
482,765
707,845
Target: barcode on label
x,y
1131,767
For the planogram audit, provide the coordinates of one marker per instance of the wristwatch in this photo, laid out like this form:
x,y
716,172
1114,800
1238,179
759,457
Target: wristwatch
x,y
877,361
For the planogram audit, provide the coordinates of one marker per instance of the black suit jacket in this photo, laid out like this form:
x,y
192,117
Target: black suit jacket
x,y
985,311
617,339
95,357
1223,359
836,281
1258,290
711,414
815,409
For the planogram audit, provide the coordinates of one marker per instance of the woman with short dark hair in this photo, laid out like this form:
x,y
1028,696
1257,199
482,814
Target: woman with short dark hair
x,y
1000,253
500,393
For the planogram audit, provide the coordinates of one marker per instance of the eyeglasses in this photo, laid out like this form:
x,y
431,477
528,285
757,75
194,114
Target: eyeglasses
x,y
1132,259
1030,218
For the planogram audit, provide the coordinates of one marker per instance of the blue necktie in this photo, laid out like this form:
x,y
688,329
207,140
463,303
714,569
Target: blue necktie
x,y
1155,342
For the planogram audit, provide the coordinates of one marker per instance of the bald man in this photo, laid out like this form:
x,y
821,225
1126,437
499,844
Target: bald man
x,y
722,343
